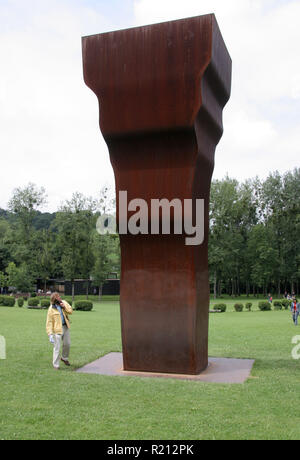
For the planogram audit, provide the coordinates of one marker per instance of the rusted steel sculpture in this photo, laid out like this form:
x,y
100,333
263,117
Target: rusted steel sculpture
x,y
161,90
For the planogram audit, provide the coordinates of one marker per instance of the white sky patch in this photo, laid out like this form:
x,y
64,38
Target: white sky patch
x,y
263,39
49,119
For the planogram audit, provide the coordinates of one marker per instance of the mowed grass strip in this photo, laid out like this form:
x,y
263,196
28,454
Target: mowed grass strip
x,y
39,403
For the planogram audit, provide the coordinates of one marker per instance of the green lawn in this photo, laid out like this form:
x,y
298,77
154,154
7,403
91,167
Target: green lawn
x,y
38,403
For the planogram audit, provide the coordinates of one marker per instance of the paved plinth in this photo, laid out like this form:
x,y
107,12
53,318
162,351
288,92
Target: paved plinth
x,y
220,370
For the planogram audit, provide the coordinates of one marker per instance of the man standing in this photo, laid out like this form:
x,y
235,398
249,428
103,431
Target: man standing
x,y
58,329
295,309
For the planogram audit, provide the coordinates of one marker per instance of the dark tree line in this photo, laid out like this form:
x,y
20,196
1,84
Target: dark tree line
x,y
254,245
65,245
255,235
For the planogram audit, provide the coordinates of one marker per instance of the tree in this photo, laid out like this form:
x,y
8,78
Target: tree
x,y
3,281
12,274
24,204
5,246
47,260
74,222
20,278
107,258
262,256
232,213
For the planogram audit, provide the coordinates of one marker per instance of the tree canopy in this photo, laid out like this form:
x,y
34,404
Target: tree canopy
x,y
254,241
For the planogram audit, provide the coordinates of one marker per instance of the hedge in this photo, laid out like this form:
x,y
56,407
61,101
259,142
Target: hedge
x,y
286,303
239,307
7,301
20,302
45,303
264,306
33,302
277,305
83,305
221,306
248,306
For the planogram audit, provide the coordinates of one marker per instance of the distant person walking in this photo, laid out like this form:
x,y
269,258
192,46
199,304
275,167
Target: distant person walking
x,y
58,329
295,309
270,298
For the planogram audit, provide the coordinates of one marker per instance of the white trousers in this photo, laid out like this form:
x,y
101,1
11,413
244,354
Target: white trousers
x,y
58,340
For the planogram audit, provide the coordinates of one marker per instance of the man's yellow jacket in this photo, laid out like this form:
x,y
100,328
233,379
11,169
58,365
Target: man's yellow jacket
x,y
54,322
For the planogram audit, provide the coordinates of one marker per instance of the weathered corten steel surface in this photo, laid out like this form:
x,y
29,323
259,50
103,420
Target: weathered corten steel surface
x,y
161,91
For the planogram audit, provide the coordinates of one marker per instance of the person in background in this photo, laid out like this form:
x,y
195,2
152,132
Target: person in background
x,y
58,329
295,309
270,298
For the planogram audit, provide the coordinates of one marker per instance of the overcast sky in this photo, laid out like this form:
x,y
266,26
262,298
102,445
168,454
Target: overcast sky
x,y
49,130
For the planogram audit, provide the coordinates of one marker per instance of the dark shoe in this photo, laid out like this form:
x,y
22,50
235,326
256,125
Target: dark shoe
x,y
66,362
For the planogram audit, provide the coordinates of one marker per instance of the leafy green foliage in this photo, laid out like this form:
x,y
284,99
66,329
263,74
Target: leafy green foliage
x,y
7,301
286,303
255,235
20,302
83,305
221,307
239,307
277,305
33,302
45,303
264,306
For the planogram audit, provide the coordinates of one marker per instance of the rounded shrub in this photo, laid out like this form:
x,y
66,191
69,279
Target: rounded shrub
x,y
7,301
33,294
264,306
277,305
20,302
33,302
84,305
221,307
248,306
45,303
286,303
239,307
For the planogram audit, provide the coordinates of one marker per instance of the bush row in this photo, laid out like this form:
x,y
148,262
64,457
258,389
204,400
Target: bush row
x,y
263,306
83,305
35,302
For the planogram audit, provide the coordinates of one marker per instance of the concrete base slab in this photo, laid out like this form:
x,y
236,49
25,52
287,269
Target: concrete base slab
x,y
220,370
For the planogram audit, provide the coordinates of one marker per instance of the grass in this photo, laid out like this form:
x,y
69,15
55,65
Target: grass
x,y
39,403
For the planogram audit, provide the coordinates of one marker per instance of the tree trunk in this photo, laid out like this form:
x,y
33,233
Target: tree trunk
x,y
100,291
279,288
215,285
247,288
220,288
292,287
87,290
